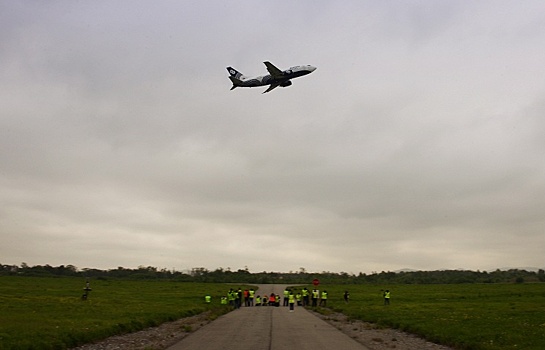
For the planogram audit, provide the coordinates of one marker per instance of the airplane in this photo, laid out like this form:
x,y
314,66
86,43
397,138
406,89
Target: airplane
x,y
275,79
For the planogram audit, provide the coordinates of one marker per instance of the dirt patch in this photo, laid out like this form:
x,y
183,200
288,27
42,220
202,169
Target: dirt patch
x,y
377,338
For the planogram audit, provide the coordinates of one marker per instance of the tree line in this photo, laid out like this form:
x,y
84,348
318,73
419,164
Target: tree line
x,y
226,275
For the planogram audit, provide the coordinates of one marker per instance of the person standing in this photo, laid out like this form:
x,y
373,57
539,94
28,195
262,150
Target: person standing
x,y
315,296
305,294
386,297
291,299
231,296
246,294
286,296
252,295
238,298
323,299
86,290
346,296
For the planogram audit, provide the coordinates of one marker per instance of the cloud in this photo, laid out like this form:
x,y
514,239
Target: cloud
x,y
416,143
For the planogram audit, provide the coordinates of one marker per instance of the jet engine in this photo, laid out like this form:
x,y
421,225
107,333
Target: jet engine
x,y
286,83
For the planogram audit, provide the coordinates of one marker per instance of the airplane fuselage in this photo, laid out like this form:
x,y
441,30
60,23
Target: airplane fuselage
x,y
293,72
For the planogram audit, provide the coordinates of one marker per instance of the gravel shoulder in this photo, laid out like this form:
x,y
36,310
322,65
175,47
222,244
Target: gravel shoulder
x,y
154,338
376,338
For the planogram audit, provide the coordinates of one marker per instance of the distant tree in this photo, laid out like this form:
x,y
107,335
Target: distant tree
x,y
541,275
221,275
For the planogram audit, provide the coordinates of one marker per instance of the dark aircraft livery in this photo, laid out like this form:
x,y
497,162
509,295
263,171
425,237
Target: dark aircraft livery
x,y
274,79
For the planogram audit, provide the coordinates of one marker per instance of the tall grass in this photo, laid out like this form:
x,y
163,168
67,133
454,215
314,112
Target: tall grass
x,y
466,316
48,313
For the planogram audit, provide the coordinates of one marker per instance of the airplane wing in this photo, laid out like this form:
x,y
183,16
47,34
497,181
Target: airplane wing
x,y
271,87
275,72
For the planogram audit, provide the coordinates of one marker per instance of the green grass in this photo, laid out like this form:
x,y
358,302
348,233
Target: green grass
x,y
466,316
48,313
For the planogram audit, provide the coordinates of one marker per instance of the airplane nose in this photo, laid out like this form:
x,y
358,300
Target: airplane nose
x,y
312,68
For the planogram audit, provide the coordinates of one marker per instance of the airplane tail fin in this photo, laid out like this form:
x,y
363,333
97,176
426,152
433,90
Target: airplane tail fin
x,y
235,76
235,73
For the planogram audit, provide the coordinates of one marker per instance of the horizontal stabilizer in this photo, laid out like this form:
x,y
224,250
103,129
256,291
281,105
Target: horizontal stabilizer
x,y
235,82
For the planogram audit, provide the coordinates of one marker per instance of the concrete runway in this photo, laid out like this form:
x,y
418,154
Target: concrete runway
x,y
268,328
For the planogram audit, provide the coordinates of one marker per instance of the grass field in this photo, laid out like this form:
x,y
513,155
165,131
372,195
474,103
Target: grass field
x,y
48,313
467,316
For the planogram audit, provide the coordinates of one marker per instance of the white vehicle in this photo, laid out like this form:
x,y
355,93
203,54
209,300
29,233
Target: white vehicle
x,y
275,79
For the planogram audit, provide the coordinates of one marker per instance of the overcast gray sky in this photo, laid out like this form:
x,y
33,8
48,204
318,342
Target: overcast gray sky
x,y
419,142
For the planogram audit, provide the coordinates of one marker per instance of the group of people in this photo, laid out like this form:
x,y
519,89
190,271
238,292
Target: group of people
x,y
292,296
235,298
